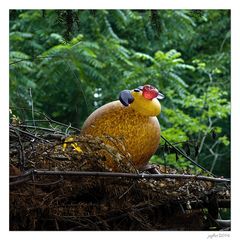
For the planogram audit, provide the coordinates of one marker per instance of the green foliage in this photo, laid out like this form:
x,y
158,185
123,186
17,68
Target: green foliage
x,y
170,159
67,63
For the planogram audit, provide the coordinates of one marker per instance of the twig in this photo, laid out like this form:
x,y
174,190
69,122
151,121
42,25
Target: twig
x,y
14,180
204,138
23,180
188,158
223,42
47,117
127,191
224,223
80,85
28,133
36,120
49,183
130,175
40,128
26,176
69,126
59,123
27,173
214,162
30,93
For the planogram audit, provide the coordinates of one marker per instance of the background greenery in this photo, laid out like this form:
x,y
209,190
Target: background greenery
x,y
67,63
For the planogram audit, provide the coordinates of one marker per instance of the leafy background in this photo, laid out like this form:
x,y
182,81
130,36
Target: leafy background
x,y
66,63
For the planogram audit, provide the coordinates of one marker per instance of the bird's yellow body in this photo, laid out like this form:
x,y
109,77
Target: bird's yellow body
x,y
136,124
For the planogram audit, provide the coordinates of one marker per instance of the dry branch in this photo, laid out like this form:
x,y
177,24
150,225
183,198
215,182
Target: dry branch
x,y
187,157
115,174
131,175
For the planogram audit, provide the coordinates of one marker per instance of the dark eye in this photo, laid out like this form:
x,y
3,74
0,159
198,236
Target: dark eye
x,y
126,97
136,90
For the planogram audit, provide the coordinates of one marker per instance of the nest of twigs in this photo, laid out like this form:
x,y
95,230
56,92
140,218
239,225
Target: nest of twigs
x,y
53,187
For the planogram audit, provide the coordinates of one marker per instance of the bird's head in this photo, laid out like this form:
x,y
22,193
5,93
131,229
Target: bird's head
x,y
143,99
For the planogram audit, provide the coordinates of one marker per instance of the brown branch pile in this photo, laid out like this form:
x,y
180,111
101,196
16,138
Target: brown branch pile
x,y
43,200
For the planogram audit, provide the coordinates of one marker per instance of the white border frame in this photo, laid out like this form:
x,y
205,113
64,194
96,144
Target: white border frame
x,y
121,4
